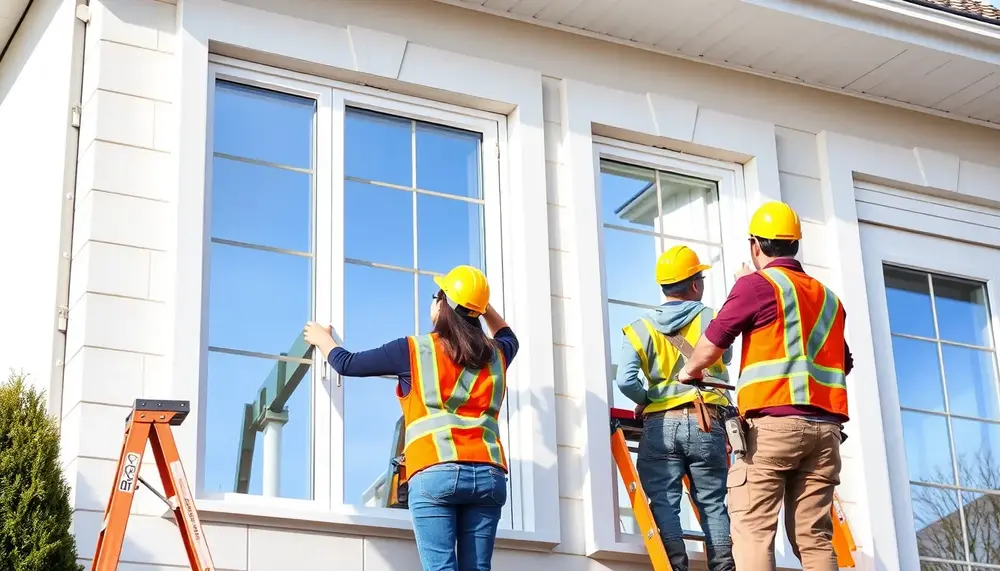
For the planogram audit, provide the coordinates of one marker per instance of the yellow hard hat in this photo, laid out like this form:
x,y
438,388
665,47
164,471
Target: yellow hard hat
x,y
776,221
466,286
678,264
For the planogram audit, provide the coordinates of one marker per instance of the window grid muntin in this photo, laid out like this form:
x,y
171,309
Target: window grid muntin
x,y
660,239
958,489
274,92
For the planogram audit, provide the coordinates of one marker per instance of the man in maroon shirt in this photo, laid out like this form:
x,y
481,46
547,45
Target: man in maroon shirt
x,y
795,422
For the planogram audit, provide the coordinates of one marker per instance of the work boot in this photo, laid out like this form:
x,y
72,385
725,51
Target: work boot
x,y
677,554
720,558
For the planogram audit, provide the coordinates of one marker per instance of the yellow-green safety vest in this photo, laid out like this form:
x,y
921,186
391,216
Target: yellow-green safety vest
x,y
661,362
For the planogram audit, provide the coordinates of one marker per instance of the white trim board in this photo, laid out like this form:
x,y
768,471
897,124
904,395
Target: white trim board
x,y
356,55
843,160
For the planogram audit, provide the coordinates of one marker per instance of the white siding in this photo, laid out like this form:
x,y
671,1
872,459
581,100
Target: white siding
x,y
35,98
120,324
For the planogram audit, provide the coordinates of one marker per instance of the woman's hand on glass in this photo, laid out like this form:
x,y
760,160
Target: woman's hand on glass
x,y
321,337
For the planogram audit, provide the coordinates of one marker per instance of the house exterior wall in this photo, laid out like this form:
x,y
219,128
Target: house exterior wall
x,y
36,79
125,339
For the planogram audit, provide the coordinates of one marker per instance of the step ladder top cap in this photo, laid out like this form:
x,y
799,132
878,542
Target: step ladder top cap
x,y
151,405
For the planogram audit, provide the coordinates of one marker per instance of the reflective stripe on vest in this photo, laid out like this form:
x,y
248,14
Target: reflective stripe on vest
x,y
657,355
798,364
441,416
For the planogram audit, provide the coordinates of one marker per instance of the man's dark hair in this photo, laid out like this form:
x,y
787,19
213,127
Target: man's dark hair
x,y
681,288
778,248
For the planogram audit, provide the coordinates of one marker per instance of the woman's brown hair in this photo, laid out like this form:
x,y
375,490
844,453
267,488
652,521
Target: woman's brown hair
x,y
463,336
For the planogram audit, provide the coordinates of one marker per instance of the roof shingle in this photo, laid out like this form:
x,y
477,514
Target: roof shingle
x,y
974,7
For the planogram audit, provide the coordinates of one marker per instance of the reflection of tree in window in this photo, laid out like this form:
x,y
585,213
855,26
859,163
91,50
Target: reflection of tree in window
x,y
644,212
945,367
260,292
413,209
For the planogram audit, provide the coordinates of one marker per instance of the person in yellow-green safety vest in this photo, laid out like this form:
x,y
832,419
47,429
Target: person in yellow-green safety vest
x,y
672,445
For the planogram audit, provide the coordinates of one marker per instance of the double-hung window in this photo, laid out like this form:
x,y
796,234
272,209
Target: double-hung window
x,y
333,203
650,201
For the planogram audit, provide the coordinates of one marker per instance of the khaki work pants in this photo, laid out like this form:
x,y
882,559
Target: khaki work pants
x,y
790,461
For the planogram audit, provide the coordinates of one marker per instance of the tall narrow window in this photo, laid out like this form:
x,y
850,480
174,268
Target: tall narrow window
x,y
260,294
946,373
645,212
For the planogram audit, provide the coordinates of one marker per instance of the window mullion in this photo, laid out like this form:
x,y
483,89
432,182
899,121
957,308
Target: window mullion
x,y
331,217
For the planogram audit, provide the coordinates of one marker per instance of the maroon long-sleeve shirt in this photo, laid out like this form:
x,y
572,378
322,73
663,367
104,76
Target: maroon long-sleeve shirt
x,y
753,304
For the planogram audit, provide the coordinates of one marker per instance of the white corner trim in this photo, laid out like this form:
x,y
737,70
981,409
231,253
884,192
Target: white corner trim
x,y
654,120
447,76
874,419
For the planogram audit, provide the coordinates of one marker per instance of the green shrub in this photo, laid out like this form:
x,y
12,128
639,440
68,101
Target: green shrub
x,y
35,514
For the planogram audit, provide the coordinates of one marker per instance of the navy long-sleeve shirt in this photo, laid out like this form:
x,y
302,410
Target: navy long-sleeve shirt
x,y
393,358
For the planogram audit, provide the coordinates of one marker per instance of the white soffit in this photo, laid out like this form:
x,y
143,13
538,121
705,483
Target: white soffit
x,y
872,51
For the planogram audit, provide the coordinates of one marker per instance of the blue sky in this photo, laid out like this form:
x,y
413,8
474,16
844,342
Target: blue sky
x,y
259,300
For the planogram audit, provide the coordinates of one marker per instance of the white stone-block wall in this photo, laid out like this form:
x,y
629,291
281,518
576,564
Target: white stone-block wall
x,y
118,343
36,94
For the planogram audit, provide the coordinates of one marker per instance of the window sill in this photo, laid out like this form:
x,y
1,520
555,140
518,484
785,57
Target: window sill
x,y
351,520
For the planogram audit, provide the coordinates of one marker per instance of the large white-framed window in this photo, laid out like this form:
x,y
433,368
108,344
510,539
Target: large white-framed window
x,y
337,203
934,321
650,200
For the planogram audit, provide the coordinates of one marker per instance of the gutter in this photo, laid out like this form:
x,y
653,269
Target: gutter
x,y
954,11
17,26
73,115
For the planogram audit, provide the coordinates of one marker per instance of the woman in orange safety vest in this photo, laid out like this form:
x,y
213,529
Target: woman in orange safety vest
x,y
452,383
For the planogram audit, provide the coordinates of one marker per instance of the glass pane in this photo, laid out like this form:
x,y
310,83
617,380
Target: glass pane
x,y
449,233
258,300
448,160
928,450
938,523
233,382
982,526
378,147
618,317
378,306
977,448
263,125
908,297
690,208
260,205
936,566
371,410
628,195
378,224
918,374
961,311
972,381
630,267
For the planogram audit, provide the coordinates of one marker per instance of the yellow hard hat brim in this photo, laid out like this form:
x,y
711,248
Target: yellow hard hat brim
x,y
693,271
439,280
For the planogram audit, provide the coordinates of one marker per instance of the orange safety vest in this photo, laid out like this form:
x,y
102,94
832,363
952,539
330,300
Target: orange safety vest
x,y
451,412
799,358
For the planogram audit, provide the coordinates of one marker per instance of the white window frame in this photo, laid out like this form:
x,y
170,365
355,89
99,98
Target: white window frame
x,y
358,57
333,98
937,255
732,214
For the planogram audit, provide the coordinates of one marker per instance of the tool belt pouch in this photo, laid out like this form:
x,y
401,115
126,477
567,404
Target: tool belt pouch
x,y
700,408
735,431
399,489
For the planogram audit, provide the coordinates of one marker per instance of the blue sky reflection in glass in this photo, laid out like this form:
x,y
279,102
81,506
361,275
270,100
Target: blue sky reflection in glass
x,y
413,207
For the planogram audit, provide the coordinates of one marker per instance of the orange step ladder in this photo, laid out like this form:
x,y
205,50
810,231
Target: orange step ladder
x,y
625,429
151,421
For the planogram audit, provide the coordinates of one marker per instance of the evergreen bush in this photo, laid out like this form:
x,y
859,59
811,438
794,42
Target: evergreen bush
x,y
35,514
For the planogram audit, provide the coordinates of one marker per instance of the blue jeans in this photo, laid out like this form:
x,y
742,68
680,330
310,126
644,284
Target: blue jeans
x,y
672,446
459,505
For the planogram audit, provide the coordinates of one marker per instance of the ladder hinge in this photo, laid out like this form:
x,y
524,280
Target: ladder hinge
x,y
76,115
63,318
83,13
